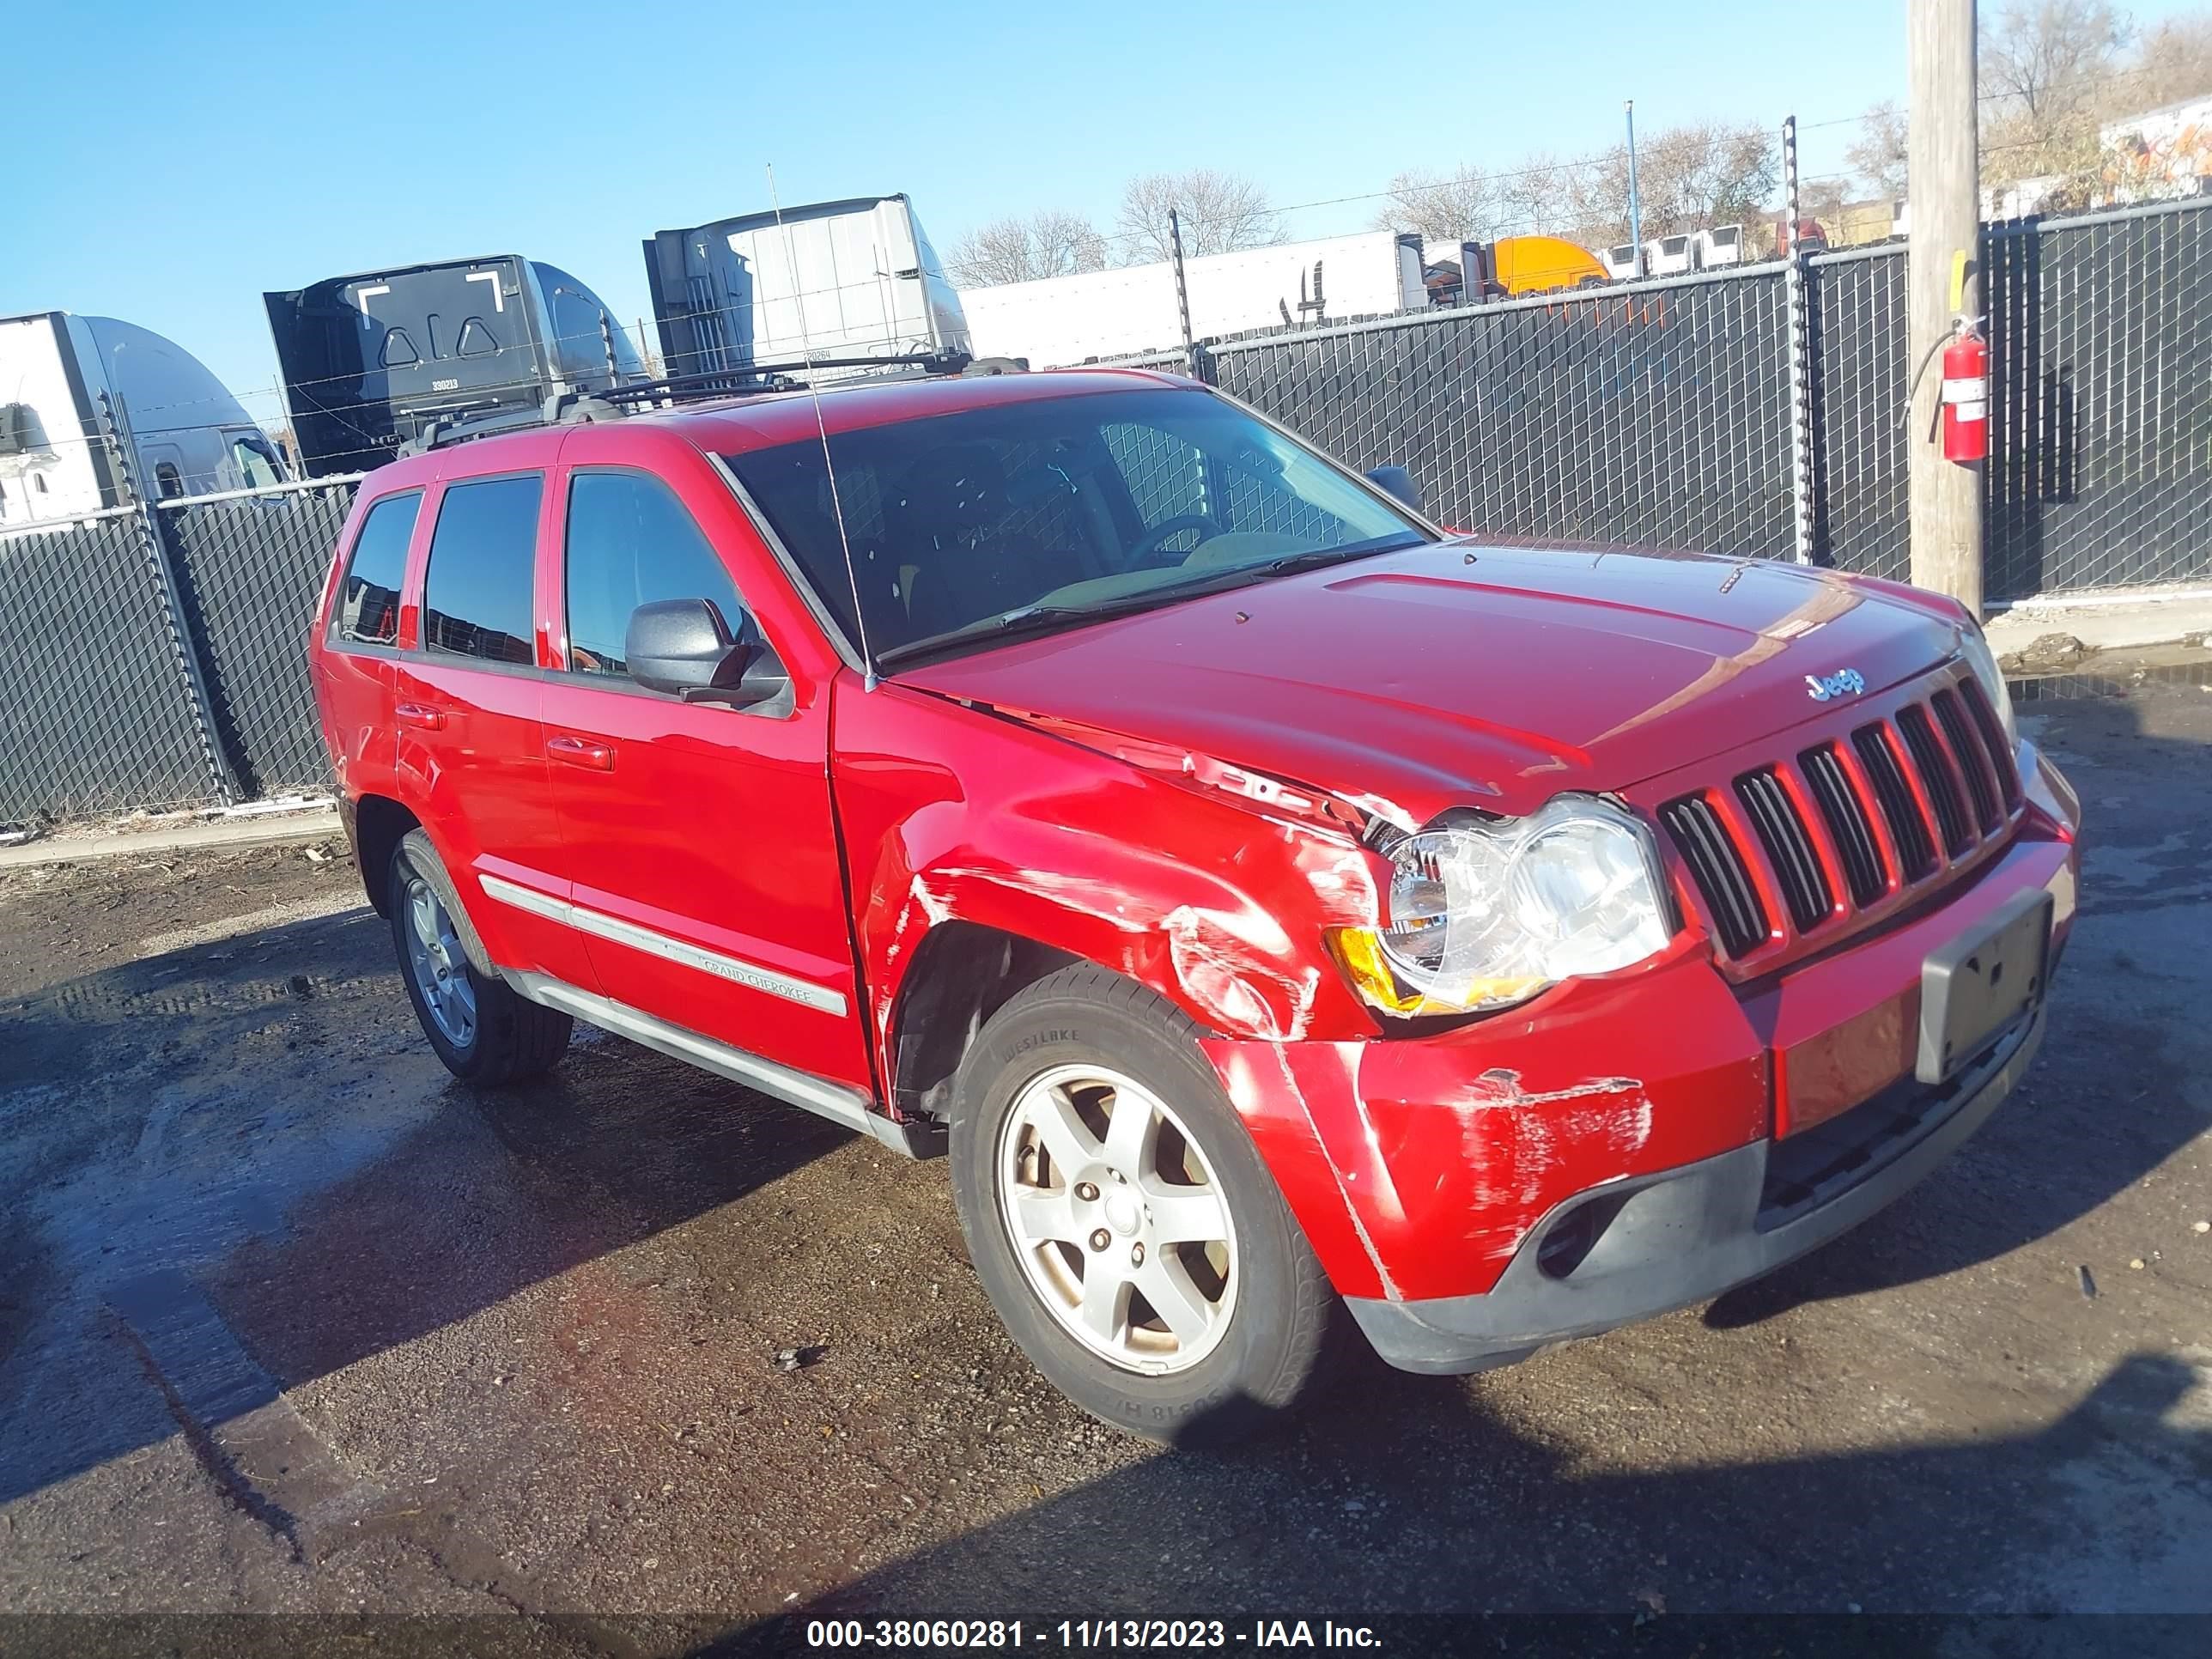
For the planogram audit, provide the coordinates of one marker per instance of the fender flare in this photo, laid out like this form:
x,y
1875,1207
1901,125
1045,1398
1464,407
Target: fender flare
x,y
415,847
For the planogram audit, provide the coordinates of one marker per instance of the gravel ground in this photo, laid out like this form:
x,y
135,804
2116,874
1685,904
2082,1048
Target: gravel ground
x,y
291,1323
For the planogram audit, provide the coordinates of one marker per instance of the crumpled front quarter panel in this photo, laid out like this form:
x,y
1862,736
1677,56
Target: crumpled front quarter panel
x,y
953,813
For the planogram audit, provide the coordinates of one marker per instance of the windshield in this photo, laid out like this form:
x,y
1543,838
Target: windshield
x,y
1057,510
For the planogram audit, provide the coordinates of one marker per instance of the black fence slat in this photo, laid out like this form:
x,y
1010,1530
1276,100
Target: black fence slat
x,y
1658,417
94,714
251,568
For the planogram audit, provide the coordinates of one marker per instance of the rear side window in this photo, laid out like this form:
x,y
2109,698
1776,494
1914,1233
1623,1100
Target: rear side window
x,y
369,603
476,595
631,543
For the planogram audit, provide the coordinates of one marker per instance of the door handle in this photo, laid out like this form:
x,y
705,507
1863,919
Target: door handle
x,y
583,752
422,714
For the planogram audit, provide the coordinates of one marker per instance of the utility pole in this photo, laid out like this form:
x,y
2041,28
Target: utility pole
x,y
1635,210
1942,282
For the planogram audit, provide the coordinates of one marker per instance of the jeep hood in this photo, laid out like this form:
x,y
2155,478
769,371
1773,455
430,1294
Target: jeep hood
x,y
1464,674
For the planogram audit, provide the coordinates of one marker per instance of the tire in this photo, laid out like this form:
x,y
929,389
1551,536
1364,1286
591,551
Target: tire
x,y
1273,1328
482,1028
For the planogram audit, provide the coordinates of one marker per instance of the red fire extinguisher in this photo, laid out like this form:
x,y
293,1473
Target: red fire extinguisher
x,y
1965,395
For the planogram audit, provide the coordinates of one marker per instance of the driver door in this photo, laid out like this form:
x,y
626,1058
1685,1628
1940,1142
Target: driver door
x,y
697,837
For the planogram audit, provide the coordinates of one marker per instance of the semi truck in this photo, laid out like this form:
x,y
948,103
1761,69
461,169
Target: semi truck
x,y
373,360
855,278
177,429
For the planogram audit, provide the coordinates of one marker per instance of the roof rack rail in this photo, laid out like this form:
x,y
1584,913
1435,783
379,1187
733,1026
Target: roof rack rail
x,y
560,409
567,408
755,380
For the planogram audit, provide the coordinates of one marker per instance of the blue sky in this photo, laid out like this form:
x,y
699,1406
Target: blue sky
x,y
173,162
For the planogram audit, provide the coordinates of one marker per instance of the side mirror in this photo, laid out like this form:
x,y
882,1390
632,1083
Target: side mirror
x,y
683,648
1398,483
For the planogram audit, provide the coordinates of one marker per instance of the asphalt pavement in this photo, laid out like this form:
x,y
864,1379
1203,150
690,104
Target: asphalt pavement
x,y
291,1323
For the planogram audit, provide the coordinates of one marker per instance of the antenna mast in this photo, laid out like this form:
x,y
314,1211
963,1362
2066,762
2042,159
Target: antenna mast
x,y
821,428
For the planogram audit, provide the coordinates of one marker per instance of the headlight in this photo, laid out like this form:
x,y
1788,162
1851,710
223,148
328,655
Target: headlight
x,y
1983,661
1488,913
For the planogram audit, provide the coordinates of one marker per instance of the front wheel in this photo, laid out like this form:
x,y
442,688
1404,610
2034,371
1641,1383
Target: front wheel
x,y
1123,1223
483,1029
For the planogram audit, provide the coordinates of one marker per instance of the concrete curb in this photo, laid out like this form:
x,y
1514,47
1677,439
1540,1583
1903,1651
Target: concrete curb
x,y
2119,619
219,835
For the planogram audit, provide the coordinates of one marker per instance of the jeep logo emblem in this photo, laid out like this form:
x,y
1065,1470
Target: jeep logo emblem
x,y
1826,687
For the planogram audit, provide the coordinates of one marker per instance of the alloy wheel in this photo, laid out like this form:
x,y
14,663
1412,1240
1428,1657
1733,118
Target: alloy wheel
x,y
438,966
1116,1219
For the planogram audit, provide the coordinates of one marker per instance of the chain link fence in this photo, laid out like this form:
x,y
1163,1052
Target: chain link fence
x,y
1653,413
154,658
2102,460
96,710
250,568
1658,413
1856,339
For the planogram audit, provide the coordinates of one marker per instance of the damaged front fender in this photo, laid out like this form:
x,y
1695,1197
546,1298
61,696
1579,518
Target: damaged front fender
x,y
1217,903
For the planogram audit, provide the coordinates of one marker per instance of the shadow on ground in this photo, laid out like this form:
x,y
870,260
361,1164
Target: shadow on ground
x,y
261,1120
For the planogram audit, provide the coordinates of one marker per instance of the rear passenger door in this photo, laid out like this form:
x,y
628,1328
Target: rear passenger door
x,y
466,708
360,645
701,855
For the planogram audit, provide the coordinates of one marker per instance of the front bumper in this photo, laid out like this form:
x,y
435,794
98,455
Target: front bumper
x,y
1684,1235
1431,1174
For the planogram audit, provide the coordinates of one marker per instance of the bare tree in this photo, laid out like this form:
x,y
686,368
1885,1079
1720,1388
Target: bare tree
x,y
1876,156
1688,178
1444,208
2172,62
1221,212
2044,61
1023,250
1469,205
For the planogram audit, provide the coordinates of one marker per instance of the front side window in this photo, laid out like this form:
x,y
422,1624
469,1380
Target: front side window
x,y
256,464
369,599
962,524
476,592
631,543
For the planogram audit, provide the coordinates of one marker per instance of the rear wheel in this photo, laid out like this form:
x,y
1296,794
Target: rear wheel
x,y
1123,1223
483,1029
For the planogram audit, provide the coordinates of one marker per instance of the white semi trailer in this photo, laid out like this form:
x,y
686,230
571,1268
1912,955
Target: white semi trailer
x,y
1132,309
830,279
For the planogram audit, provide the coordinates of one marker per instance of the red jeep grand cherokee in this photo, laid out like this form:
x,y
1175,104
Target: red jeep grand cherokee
x,y
1277,907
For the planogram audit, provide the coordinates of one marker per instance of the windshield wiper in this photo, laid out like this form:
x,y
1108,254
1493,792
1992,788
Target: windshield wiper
x,y
1313,557
1029,619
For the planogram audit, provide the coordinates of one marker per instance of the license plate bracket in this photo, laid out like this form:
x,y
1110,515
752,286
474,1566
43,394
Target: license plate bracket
x,y
1980,983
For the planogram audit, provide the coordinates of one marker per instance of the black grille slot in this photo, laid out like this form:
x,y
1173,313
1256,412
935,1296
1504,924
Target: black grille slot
x,y
1973,760
1908,829
1781,831
1717,864
1993,740
1937,777
1845,817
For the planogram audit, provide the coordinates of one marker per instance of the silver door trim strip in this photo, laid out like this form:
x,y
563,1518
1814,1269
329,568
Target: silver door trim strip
x,y
818,1095
752,975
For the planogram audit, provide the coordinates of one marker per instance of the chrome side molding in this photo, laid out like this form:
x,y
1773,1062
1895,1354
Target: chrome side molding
x,y
750,975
